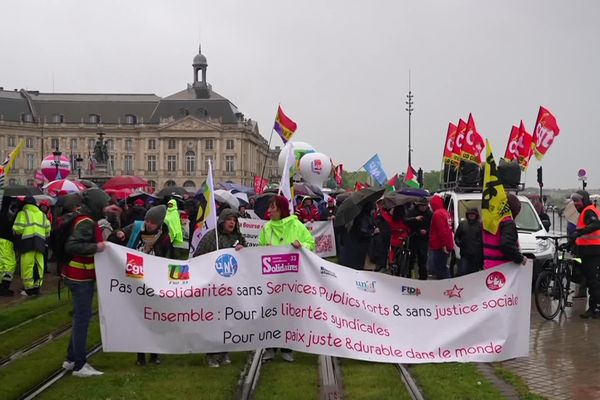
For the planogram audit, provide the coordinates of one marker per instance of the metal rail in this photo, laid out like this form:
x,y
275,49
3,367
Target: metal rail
x,y
52,379
250,375
35,345
409,382
330,373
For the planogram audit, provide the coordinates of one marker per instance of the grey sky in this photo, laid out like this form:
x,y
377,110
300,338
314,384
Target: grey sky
x,y
339,68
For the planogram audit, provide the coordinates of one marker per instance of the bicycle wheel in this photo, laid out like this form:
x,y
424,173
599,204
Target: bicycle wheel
x,y
548,294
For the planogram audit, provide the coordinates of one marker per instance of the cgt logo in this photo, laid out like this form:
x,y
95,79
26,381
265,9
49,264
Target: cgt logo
x,y
179,272
495,280
226,265
280,264
316,166
366,286
411,291
135,266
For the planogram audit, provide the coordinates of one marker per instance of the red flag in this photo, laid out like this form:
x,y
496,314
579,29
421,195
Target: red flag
x,y
512,150
338,172
458,142
524,147
544,132
260,184
450,138
358,186
391,185
473,143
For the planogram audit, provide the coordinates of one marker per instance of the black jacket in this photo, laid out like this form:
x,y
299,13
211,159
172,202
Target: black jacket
x,y
416,225
468,237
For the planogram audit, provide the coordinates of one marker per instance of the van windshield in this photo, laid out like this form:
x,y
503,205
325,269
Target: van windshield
x,y
527,220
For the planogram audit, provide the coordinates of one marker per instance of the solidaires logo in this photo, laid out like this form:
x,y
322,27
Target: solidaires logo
x,y
226,265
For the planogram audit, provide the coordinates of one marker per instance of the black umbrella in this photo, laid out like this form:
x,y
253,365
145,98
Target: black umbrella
x,y
262,204
393,199
87,183
171,190
353,205
21,190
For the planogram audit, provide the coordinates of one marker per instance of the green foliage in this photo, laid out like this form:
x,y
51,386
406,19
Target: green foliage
x,y
431,180
516,381
366,380
349,179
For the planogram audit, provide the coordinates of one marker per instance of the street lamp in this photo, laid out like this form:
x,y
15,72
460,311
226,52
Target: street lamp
x,y
57,153
79,160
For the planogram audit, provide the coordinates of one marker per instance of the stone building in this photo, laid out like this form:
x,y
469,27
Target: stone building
x,y
167,141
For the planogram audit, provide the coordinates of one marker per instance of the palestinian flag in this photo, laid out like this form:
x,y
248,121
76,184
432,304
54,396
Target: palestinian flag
x,y
410,179
391,184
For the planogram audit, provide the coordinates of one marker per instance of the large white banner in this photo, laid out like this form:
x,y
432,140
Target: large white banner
x,y
279,297
322,231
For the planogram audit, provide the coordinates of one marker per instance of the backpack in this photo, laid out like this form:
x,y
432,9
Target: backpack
x,y
62,227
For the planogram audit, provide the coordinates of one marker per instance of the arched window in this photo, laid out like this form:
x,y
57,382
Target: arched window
x,y
184,112
170,183
130,119
190,161
189,185
201,112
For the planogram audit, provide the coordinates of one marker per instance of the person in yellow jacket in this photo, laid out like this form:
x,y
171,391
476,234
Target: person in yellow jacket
x,y
31,229
283,229
8,260
173,221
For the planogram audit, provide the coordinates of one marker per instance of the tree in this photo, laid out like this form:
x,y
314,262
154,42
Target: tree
x,y
349,179
431,180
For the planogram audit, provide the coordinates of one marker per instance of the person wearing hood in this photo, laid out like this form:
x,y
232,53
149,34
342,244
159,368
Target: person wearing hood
x,y
503,247
587,241
173,221
31,229
307,211
419,221
150,236
468,237
229,236
441,239
283,229
79,276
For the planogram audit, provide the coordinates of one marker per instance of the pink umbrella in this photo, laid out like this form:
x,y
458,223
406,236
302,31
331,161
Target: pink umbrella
x,y
50,171
63,186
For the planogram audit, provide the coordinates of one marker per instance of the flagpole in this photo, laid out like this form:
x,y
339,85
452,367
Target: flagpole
x,y
262,174
212,200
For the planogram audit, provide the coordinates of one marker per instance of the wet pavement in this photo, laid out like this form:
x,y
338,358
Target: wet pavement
x,y
564,358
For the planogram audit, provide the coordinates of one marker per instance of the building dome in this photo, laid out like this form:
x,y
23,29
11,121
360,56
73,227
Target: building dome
x,y
199,59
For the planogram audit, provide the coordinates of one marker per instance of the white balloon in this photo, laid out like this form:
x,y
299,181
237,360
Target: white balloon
x,y
315,168
297,146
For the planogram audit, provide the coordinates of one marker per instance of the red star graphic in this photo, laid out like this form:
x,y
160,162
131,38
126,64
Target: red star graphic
x,y
454,292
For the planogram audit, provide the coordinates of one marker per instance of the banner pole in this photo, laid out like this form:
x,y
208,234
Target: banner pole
x,y
262,174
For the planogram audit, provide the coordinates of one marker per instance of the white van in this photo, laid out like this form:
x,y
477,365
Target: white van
x,y
528,223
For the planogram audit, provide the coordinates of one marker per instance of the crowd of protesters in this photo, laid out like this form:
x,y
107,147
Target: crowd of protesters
x,y
77,227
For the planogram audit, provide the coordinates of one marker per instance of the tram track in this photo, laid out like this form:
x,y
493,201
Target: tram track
x,y
409,382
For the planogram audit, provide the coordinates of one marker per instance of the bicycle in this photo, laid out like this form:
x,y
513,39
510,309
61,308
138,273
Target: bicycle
x,y
553,285
401,264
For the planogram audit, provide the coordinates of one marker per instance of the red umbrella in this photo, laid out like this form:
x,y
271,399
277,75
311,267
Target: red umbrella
x,y
125,182
119,194
63,186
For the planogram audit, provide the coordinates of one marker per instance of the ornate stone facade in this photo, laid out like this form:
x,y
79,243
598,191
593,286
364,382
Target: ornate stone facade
x,y
181,133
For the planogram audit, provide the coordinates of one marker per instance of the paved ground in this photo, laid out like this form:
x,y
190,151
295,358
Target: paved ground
x,y
564,359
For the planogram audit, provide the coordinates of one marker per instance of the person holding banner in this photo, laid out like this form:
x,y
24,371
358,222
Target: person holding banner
x,y
503,247
441,239
150,236
229,235
283,229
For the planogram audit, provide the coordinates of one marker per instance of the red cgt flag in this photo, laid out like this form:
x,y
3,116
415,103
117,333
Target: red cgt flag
x,y
473,144
461,129
544,132
512,149
260,184
338,172
524,147
449,145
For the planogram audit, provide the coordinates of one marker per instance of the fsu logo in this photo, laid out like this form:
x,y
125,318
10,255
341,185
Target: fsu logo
x,y
316,166
135,266
495,280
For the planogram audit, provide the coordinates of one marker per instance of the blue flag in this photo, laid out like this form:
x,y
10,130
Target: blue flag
x,y
375,169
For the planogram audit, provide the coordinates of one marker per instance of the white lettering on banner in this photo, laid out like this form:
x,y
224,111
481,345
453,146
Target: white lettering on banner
x,y
305,303
322,231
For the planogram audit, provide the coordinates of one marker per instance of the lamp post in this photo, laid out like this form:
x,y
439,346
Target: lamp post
x,y
79,160
57,153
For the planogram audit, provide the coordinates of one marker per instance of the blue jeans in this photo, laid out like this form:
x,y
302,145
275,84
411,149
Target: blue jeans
x,y
82,294
437,264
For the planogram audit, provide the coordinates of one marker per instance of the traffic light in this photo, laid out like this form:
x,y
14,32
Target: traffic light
x,y
420,177
540,179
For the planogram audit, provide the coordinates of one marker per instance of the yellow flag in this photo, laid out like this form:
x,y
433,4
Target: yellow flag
x,y
494,202
7,165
